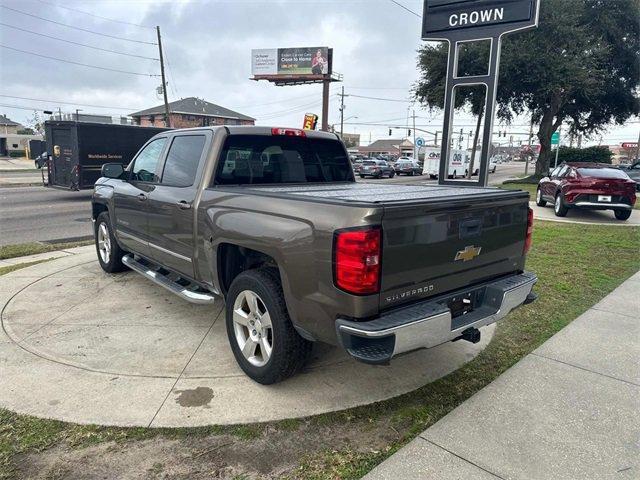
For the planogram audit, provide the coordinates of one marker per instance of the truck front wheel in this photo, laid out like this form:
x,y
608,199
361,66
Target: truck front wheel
x,y
109,252
265,344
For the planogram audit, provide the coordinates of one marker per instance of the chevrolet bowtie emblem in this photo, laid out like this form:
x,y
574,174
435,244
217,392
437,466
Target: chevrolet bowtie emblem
x,y
469,253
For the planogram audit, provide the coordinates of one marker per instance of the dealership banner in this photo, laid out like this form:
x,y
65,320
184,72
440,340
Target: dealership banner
x,y
290,61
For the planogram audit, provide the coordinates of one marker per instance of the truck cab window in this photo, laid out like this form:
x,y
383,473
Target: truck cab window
x,y
260,159
183,160
145,164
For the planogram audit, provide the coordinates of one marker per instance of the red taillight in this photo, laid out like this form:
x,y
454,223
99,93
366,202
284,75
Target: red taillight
x,y
356,257
527,242
289,132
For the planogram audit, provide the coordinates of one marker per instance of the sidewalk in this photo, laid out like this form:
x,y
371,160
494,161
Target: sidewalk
x,y
46,255
568,410
18,172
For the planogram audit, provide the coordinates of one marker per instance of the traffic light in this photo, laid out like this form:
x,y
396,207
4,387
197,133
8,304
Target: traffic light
x,y
409,133
390,132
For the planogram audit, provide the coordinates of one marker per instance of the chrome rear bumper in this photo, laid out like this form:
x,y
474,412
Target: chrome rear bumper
x,y
431,323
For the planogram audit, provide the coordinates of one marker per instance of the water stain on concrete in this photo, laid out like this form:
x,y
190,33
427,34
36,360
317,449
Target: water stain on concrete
x,y
197,397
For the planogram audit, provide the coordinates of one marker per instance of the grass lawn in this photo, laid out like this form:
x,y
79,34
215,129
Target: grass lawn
x,y
347,444
22,249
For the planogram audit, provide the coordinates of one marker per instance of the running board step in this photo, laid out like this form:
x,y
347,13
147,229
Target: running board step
x,y
191,295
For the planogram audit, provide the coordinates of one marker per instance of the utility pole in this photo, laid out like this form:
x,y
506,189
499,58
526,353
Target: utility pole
x,y
342,111
435,141
59,114
167,119
638,148
414,135
526,162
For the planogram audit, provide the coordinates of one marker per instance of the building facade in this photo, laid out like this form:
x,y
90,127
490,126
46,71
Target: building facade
x,y
8,126
189,113
392,147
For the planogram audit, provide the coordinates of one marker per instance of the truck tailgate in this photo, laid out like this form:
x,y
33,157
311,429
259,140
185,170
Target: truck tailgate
x,y
432,249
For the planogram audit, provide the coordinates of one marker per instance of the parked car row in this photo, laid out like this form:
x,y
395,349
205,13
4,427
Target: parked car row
x,y
592,186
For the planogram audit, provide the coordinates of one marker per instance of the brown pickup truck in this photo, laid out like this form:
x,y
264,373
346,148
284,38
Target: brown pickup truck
x,y
272,221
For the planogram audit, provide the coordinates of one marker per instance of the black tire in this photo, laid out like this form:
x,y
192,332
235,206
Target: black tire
x,y
289,350
559,208
361,176
433,177
113,262
392,174
539,200
622,214
377,176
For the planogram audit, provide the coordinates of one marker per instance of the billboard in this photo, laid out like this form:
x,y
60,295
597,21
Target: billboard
x,y
291,61
454,15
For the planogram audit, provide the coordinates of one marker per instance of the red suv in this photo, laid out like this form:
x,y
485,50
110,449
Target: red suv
x,y
594,186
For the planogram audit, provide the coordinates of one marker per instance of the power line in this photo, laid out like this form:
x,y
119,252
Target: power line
x,y
77,28
405,8
78,63
68,103
76,43
382,99
375,88
94,15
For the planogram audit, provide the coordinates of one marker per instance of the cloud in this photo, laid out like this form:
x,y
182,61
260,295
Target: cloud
x,y
207,46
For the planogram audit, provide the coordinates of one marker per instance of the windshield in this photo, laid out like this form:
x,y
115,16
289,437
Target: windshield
x,y
603,173
262,159
368,162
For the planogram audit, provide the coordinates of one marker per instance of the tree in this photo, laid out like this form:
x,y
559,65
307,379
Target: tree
x,y
36,124
579,67
26,131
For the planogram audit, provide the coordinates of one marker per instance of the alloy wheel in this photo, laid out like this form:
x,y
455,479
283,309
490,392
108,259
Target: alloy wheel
x,y
252,328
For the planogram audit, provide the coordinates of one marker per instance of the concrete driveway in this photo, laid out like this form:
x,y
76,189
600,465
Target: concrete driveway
x,y
83,346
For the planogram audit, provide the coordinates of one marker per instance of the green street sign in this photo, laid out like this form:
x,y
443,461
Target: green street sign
x,y
555,138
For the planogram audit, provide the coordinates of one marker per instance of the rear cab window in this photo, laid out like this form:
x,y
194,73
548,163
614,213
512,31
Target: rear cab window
x,y
264,159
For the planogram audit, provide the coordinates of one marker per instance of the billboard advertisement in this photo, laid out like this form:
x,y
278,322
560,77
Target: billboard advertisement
x,y
310,121
291,61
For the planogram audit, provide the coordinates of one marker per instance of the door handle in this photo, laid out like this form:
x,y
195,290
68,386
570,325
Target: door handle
x,y
142,197
183,205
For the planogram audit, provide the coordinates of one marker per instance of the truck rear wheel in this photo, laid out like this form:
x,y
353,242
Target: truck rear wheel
x,y
109,252
265,344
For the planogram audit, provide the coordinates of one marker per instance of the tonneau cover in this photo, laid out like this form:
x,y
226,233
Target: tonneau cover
x,y
381,193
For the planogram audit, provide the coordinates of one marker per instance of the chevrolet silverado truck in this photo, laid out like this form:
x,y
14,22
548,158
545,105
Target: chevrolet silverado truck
x,y
272,222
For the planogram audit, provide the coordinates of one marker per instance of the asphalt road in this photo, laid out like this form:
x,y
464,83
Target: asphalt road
x,y
31,214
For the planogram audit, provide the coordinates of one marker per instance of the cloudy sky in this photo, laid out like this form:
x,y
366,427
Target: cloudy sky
x,y
207,45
